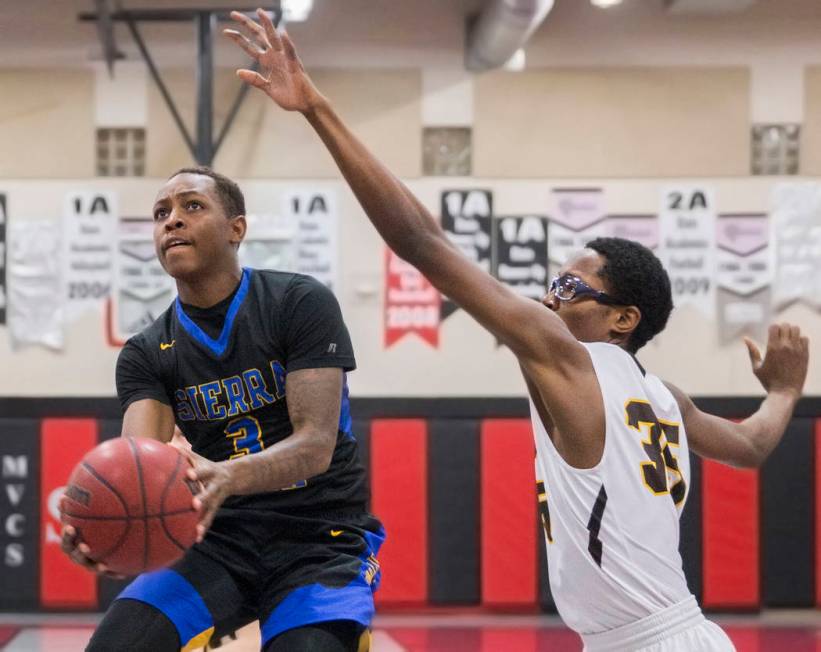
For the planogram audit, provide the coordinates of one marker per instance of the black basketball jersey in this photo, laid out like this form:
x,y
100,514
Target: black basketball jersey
x,y
227,388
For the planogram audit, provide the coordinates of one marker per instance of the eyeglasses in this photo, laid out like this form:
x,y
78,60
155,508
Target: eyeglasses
x,y
569,287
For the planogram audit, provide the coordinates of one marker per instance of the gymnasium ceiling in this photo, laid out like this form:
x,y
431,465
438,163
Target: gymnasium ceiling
x,y
46,33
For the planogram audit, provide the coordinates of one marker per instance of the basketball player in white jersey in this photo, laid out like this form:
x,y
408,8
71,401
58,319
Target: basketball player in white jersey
x,y
612,440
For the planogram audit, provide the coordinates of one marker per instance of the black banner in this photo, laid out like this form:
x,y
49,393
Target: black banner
x,y
466,218
19,514
520,253
3,294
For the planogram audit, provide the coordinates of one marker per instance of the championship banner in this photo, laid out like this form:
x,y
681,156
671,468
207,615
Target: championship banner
x,y
270,243
412,304
35,307
520,254
19,504
796,237
3,295
316,235
743,274
687,234
142,290
89,227
577,216
643,229
466,218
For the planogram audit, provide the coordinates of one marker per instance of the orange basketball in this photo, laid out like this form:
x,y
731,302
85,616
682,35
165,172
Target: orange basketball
x,y
131,503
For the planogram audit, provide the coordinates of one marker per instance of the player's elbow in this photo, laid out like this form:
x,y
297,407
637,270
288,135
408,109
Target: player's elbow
x,y
750,456
321,453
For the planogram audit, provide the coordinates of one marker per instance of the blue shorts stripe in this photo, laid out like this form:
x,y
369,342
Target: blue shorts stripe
x,y
170,593
315,603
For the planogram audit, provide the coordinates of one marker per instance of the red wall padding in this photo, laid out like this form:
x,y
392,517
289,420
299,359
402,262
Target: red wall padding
x,y
509,566
62,582
399,486
730,532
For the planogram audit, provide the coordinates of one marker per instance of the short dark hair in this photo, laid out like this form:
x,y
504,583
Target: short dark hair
x,y
230,196
636,276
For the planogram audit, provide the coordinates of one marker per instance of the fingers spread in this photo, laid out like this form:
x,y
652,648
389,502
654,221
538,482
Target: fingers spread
x,y
252,77
240,39
774,334
270,30
250,24
290,50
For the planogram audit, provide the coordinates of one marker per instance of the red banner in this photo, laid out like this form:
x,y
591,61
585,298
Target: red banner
x,y
63,444
412,304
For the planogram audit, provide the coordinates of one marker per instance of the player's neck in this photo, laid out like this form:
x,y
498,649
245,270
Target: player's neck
x,y
206,291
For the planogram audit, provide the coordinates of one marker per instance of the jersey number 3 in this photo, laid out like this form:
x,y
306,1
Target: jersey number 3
x,y
661,475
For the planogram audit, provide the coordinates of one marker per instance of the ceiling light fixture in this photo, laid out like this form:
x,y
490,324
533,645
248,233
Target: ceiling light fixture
x,y
295,11
605,4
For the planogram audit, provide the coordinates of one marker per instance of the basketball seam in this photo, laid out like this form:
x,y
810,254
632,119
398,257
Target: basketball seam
x,y
84,517
163,513
107,484
119,542
136,454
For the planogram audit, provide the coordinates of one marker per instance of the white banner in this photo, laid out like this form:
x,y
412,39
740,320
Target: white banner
x,y
3,222
316,234
270,243
577,216
743,274
89,226
142,290
35,311
796,237
687,233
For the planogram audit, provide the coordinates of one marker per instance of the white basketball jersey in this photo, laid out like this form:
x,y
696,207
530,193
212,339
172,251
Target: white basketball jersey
x,y
613,531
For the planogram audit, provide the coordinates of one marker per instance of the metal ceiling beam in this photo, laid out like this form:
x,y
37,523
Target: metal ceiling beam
x,y
205,147
707,6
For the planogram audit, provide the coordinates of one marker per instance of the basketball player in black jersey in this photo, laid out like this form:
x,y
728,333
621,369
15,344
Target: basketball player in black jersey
x,y
251,366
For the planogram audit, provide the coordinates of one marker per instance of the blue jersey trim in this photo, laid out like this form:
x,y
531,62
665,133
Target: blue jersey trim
x,y
315,603
217,347
172,594
345,419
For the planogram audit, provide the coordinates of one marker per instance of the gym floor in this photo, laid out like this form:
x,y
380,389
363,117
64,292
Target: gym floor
x,y
777,630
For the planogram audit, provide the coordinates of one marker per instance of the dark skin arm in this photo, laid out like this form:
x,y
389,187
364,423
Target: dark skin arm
x,y
314,402
144,418
553,359
748,443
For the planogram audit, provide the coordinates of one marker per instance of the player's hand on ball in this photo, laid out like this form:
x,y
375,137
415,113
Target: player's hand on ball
x,y
215,483
78,553
282,76
783,367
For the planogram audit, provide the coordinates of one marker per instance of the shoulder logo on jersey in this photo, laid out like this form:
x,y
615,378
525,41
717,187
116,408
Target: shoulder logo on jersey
x,y
336,533
332,347
167,345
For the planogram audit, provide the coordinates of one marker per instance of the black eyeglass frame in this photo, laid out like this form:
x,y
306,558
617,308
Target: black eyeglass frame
x,y
580,289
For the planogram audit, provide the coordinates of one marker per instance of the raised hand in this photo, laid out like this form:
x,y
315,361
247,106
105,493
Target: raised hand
x,y
282,76
783,368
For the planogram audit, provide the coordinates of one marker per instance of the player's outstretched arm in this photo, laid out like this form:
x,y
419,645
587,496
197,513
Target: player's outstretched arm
x,y
782,371
531,331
